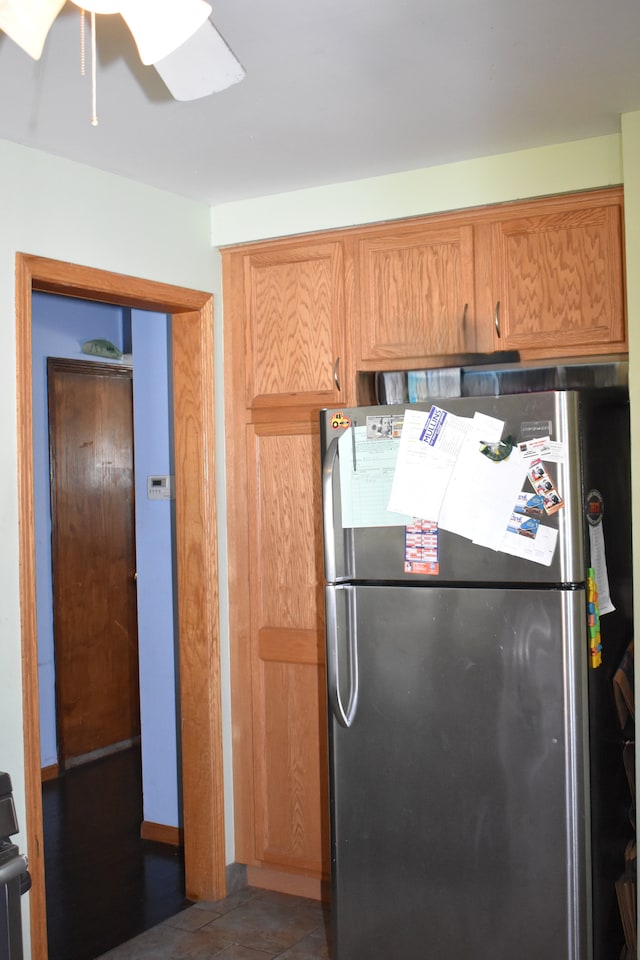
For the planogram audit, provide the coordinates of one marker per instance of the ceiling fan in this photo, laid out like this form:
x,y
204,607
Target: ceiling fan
x,y
176,36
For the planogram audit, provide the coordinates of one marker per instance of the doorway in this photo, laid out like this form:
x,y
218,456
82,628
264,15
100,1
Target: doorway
x,y
102,855
196,551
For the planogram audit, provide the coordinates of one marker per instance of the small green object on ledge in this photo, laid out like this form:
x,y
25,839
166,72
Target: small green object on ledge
x,y
102,348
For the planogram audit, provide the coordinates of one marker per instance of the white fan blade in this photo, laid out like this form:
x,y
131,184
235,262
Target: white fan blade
x,y
27,22
201,66
161,26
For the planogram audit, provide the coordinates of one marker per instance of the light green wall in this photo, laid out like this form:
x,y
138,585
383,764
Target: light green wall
x,y
53,208
631,169
580,165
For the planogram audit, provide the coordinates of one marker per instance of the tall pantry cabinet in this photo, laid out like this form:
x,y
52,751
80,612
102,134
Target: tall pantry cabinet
x,y
286,356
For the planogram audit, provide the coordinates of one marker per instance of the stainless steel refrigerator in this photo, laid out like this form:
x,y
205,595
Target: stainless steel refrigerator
x,y
479,804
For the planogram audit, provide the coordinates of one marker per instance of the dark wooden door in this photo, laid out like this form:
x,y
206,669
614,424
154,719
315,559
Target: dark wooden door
x,y
93,556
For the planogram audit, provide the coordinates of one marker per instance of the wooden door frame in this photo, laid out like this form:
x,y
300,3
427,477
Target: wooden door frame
x,y
196,555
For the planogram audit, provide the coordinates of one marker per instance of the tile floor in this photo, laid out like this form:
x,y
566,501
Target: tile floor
x,y
250,925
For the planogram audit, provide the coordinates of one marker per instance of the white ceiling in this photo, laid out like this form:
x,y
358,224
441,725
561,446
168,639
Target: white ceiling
x,y
336,90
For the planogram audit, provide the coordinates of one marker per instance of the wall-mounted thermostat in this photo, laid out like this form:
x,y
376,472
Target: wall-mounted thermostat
x,y
160,488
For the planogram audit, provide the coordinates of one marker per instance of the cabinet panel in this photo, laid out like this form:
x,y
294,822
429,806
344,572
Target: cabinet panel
x,y
558,280
287,638
417,290
292,815
285,518
294,300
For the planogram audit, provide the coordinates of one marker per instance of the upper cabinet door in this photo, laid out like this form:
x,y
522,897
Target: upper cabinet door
x,y
558,280
294,302
417,293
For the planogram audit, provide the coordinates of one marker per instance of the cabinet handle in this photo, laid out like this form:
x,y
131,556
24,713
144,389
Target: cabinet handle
x,y
464,318
496,318
336,373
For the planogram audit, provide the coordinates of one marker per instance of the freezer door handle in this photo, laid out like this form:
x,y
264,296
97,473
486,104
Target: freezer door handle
x,y
328,468
344,717
13,869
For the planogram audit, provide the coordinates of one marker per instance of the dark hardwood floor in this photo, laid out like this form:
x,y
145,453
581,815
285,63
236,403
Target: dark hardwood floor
x,y
104,884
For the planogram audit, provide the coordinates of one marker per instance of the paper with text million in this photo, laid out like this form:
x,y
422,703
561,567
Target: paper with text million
x,y
366,475
429,446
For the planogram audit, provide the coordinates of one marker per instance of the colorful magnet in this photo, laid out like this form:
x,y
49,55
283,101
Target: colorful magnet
x,y
544,486
339,421
497,451
421,547
593,620
594,507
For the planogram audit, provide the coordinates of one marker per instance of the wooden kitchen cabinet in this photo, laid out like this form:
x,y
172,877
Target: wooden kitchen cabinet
x,y
550,276
287,354
544,277
417,298
293,309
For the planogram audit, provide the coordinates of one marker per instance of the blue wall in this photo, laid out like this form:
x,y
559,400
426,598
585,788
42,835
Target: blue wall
x,y
155,519
60,325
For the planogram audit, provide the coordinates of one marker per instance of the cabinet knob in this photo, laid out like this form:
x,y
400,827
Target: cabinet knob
x,y
496,319
336,373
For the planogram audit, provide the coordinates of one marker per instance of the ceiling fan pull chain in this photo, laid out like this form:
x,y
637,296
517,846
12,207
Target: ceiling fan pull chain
x,y
82,43
94,114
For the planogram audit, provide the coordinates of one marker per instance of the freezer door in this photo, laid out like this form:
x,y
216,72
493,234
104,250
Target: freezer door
x,y
375,553
459,807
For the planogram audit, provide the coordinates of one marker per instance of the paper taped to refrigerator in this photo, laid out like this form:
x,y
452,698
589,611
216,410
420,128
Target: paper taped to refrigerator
x,y
366,474
500,484
539,549
463,497
429,447
479,499
599,564
544,449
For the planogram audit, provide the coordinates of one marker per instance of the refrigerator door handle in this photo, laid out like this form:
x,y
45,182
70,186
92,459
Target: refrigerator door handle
x,y
328,468
344,717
